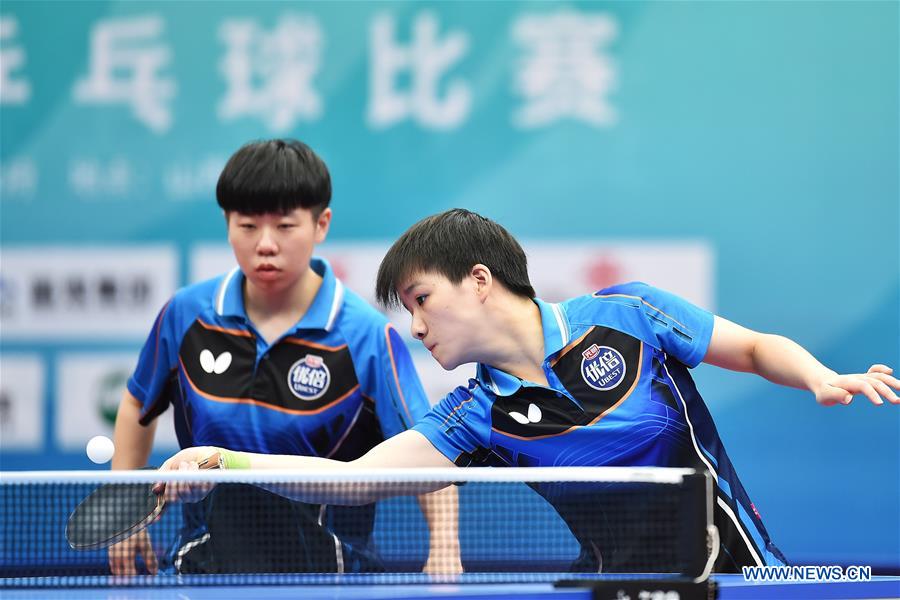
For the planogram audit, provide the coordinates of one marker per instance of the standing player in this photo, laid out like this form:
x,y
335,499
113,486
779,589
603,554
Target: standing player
x,y
274,357
596,380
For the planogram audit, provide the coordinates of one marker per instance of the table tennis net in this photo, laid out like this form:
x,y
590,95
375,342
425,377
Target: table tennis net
x,y
512,521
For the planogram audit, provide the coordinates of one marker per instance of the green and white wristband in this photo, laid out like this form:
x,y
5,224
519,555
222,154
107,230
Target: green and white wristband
x,y
233,460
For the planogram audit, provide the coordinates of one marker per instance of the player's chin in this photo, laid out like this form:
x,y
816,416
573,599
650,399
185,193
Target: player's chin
x,y
447,363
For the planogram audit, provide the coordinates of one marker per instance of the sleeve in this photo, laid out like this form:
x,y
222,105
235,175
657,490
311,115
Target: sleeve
x,y
459,426
156,366
681,329
400,400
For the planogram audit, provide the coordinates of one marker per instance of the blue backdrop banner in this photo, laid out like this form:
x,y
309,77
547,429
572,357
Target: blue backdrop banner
x,y
743,155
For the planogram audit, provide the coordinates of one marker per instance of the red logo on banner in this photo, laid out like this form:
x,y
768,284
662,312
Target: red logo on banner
x,y
603,271
339,268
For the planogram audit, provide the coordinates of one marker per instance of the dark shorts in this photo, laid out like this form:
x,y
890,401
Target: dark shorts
x,y
251,530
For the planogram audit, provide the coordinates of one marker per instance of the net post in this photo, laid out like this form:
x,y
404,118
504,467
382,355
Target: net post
x,y
698,498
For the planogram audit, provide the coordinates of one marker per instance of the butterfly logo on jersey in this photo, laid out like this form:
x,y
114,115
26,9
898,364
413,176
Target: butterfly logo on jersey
x,y
215,364
602,367
534,415
309,377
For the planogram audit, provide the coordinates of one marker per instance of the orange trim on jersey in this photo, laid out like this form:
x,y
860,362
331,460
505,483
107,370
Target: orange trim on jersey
x,y
456,408
302,342
597,419
387,339
642,302
570,346
238,332
254,402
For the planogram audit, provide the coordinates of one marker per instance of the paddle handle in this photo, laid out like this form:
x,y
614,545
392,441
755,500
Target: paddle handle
x,y
213,461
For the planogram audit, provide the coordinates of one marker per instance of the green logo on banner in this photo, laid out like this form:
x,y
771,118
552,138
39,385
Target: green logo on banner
x,y
109,394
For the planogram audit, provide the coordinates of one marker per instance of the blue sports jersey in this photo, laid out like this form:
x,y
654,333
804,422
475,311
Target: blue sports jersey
x,y
619,394
335,385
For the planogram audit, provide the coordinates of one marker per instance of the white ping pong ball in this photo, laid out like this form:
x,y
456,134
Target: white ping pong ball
x,y
100,449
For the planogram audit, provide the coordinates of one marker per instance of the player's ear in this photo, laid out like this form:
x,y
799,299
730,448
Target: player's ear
x,y
483,279
323,222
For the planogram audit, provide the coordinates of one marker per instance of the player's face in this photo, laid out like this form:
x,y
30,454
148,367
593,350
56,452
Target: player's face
x,y
274,249
445,316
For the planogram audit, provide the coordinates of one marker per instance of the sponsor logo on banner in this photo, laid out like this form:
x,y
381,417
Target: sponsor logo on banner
x,y
602,367
22,411
109,394
85,293
565,270
309,377
89,387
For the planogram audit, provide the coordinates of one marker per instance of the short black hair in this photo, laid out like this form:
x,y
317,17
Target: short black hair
x,y
450,244
274,176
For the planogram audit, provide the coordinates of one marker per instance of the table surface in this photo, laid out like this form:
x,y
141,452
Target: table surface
x,y
730,587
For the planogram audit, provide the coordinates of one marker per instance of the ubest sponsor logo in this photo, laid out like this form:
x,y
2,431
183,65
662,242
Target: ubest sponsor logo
x,y
85,293
602,367
309,377
808,573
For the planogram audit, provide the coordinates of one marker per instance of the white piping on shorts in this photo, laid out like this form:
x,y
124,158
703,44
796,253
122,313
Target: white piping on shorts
x,y
338,549
722,504
187,548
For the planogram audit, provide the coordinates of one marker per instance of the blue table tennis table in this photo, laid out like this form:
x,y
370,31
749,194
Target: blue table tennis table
x,y
730,587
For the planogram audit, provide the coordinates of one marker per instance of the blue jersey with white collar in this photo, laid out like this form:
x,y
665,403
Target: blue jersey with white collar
x,y
619,395
335,385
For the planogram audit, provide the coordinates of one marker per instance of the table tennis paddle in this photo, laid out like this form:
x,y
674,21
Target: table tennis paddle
x,y
116,511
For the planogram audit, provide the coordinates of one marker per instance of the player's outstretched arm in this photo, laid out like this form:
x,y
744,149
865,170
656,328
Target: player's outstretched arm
x,y
783,361
407,449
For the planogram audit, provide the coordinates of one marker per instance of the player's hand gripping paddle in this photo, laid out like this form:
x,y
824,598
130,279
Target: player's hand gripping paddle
x,y
116,511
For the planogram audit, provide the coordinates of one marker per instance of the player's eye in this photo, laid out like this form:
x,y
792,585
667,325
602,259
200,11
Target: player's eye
x,y
247,226
420,299
286,226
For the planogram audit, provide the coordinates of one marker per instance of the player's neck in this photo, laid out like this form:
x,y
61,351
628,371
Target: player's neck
x,y
274,311
519,339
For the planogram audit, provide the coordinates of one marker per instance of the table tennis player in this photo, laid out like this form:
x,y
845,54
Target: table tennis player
x,y
274,357
597,380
